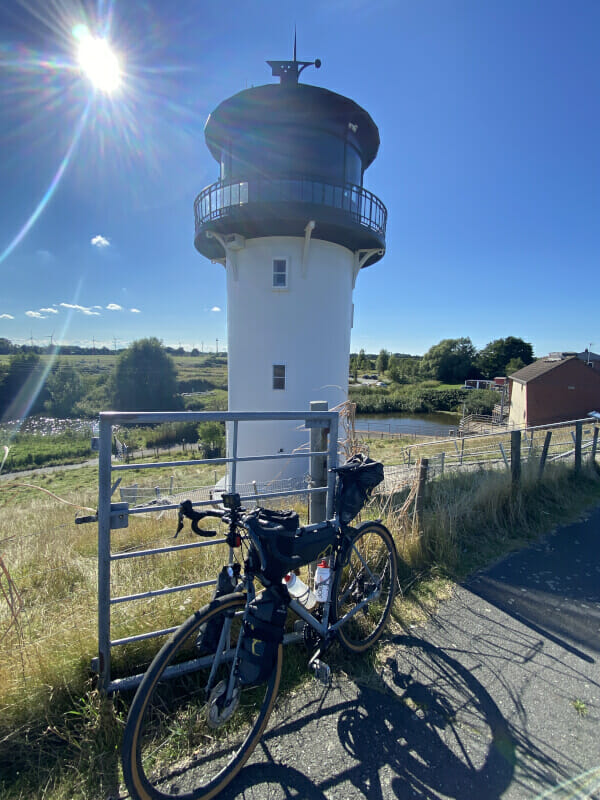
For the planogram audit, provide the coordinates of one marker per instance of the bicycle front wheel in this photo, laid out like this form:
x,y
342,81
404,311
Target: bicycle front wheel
x,y
188,734
363,585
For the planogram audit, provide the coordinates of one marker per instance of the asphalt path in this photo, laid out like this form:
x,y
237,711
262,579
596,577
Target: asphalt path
x,y
498,696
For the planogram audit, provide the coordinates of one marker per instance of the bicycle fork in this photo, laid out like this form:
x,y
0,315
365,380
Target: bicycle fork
x,y
223,698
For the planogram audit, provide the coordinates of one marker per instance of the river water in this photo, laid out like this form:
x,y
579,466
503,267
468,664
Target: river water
x,y
415,424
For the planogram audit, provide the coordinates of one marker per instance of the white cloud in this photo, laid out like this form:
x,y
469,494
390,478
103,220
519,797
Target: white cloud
x,y
114,307
82,309
49,310
100,241
6,316
215,308
45,256
34,315
135,311
98,307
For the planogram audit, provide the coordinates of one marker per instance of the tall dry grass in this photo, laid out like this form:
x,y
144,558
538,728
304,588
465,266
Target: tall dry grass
x,y
58,738
471,518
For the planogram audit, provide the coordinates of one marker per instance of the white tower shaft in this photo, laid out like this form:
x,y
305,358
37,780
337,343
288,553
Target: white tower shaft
x,y
289,317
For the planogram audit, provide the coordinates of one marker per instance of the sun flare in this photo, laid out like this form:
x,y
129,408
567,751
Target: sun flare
x,y
99,63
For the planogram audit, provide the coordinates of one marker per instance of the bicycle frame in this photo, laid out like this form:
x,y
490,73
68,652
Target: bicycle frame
x,y
323,627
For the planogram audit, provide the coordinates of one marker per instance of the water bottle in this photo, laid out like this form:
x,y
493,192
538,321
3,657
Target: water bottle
x,y
299,590
322,577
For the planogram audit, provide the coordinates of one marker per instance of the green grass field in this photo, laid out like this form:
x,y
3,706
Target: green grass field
x,y
203,367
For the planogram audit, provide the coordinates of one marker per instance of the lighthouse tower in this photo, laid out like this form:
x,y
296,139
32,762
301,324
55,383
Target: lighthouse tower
x,y
291,222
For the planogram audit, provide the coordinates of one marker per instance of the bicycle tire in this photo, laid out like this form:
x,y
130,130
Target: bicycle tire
x,y
169,749
366,561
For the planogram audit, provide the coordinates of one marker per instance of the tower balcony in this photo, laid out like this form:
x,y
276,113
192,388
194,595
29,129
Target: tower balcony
x,y
347,214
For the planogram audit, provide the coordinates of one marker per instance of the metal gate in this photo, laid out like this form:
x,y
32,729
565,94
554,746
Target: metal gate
x,y
112,516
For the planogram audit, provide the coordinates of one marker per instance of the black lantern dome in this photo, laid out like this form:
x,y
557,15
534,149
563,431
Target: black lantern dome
x,y
290,153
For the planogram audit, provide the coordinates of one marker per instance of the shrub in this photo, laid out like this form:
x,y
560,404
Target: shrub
x,y
172,433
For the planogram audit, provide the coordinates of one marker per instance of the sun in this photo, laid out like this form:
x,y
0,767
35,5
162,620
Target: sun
x,y
99,63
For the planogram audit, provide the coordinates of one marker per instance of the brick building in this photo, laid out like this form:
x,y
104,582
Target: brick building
x,y
553,389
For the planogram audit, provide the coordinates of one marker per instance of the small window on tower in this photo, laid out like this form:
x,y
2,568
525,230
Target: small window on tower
x,y
279,273
278,376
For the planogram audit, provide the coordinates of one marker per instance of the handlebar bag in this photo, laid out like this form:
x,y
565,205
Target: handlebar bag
x,y
264,624
358,477
289,520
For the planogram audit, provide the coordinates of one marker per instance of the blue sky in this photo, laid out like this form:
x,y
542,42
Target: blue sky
x,y
489,164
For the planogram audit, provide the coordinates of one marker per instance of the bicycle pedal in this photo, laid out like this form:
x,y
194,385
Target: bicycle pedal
x,y
322,671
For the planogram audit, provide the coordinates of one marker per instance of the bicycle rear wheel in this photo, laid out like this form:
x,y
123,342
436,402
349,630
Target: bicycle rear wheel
x,y
367,567
181,740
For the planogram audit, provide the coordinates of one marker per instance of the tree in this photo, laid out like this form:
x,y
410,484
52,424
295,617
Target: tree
x,y
353,367
449,361
382,363
495,356
212,433
22,385
146,378
65,388
514,365
362,361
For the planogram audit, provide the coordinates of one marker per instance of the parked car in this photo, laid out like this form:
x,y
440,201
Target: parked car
x,y
381,383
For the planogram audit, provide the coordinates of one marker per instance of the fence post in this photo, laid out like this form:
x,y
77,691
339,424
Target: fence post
x,y
104,475
545,452
332,461
578,438
530,452
503,455
442,460
318,466
515,457
462,450
594,446
420,496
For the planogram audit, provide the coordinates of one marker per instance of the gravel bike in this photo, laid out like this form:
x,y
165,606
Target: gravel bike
x,y
205,701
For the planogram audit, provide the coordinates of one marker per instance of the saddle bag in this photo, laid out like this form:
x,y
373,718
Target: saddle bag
x,y
358,477
262,634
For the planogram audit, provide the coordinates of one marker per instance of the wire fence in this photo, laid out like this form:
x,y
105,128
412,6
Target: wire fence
x,y
489,451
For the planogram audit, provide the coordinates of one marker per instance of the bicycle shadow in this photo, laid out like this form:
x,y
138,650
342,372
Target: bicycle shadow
x,y
271,781
437,732
432,731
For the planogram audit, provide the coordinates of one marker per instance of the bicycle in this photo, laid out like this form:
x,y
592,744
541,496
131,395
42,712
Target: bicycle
x,y
189,736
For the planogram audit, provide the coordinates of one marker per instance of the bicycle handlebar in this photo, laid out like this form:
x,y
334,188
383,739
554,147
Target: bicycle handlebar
x,y
234,517
187,510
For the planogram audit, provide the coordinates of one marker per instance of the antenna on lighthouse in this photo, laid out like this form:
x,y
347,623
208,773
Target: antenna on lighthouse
x,y
288,72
